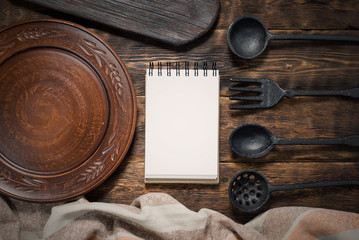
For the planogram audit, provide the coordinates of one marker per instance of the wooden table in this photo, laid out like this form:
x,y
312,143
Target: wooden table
x,y
292,64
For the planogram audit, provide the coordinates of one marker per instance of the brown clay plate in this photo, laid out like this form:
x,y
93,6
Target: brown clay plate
x,y
67,110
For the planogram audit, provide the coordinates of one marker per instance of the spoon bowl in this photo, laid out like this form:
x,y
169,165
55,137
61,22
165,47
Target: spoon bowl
x,y
247,37
251,140
254,141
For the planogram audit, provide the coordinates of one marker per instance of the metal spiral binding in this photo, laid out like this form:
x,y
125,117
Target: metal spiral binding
x,y
205,69
196,69
159,65
168,69
178,69
214,69
150,69
186,67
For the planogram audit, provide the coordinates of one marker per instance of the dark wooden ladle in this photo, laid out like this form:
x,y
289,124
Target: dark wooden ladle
x,y
249,190
248,37
253,141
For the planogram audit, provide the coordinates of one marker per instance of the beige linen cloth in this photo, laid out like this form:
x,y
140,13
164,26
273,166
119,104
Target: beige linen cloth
x,y
159,216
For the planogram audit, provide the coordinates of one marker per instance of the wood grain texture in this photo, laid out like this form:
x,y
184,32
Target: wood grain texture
x,y
292,64
127,183
298,14
155,19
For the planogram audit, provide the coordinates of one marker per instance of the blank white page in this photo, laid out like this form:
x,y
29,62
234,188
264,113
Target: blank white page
x,y
182,116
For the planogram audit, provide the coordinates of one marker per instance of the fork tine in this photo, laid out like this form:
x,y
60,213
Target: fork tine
x,y
246,89
247,80
249,106
246,98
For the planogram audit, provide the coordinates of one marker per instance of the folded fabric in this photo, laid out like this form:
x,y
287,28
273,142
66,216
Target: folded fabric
x,y
159,216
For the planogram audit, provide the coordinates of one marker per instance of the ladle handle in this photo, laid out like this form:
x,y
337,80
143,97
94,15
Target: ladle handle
x,y
352,140
313,37
313,185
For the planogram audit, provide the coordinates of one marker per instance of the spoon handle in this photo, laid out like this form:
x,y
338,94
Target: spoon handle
x,y
354,93
313,185
352,140
313,37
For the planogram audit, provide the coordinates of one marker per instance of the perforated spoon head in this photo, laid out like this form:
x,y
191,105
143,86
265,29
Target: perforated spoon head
x,y
249,191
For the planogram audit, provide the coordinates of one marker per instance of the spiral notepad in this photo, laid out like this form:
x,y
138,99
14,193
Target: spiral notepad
x,y
182,116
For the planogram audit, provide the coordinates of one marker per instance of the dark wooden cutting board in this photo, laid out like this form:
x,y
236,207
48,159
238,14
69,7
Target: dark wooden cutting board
x,y
174,22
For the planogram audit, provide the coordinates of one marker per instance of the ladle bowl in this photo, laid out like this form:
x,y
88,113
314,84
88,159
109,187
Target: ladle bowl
x,y
254,141
251,140
247,37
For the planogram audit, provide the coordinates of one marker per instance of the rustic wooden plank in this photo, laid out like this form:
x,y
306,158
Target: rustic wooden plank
x,y
282,14
155,19
127,183
293,64
299,65
296,14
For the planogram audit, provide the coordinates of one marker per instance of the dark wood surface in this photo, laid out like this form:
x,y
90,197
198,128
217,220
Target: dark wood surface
x,y
195,17
292,64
